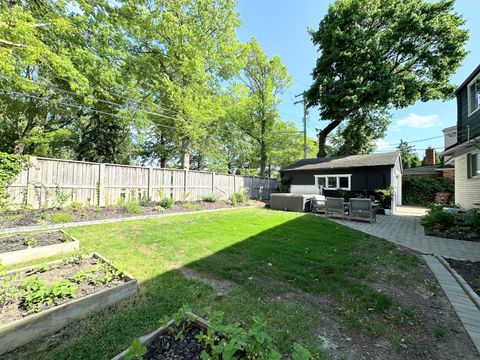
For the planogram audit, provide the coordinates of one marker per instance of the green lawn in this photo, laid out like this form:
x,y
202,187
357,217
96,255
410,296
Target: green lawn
x,y
299,272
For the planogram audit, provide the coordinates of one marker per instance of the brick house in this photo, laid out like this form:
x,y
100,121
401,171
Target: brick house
x,y
465,151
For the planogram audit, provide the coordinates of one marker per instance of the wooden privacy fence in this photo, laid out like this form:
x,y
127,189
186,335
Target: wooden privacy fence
x,y
50,182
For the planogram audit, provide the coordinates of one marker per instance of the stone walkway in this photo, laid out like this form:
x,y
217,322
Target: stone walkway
x,y
407,231
467,311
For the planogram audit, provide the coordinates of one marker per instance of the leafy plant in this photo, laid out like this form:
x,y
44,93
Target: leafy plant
x,y
132,208
61,217
300,352
75,205
10,167
193,207
210,198
30,241
420,190
166,203
239,198
37,292
61,197
438,218
136,351
385,196
39,269
65,237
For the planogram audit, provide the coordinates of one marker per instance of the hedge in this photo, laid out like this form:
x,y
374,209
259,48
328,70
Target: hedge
x,y
421,190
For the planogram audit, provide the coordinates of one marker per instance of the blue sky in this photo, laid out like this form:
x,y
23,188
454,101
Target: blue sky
x,y
281,28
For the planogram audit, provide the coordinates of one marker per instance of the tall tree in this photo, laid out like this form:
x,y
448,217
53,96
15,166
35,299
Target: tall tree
x,y
409,155
262,81
379,54
358,134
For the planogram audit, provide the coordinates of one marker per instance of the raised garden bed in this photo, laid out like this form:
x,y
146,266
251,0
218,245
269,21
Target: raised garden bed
x,y
38,300
469,271
25,247
19,218
163,343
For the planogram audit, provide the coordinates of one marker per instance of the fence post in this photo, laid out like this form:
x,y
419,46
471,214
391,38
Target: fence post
x,y
32,177
234,183
149,184
213,182
101,185
185,183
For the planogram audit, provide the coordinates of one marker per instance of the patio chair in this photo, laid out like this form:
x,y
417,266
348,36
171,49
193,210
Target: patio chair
x,y
317,203
362,208
335,206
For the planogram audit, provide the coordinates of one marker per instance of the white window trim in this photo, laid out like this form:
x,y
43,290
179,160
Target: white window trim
x,y
470,166
338,181
469,96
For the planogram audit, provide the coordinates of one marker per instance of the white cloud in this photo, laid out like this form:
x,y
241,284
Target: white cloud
x,y
419,121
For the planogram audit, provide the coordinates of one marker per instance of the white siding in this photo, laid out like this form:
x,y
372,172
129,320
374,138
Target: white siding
x,y
467,191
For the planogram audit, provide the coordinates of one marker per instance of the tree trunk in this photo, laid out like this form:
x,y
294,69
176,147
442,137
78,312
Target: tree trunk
x,y
19,147
322,137
186,153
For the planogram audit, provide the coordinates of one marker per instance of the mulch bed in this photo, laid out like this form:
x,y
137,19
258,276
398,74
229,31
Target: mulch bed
x,y
166,346
469,270
456,233
14,308
17,242
19,218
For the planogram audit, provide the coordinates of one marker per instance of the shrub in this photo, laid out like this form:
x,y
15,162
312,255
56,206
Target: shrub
x,y
238,198
10,167
132,208
61,217
30,241
420,190
438,218
166,203
193,207
210,198
75,205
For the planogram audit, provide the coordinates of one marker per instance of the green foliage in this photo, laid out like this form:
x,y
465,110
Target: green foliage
x,y
379,54
39,269
409,155
136,351
210,198
420,190
37,292
10,167
239,198
385,196
75,205
166,203
300,352
192,206
66,237
132,208
30,241
8,290
61,217
437,218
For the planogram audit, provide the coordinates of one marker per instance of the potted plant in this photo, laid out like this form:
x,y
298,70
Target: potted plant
x,y
385,197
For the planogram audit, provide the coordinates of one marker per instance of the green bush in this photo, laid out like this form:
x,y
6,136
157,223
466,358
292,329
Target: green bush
x,y
132,208
438,218
10,167
210,198
421,190
61,217
238,198
192,206
166,203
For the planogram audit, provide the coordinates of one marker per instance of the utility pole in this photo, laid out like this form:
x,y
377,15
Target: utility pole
x,y
305,113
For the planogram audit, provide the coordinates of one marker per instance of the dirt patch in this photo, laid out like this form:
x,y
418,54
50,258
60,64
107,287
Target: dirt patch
x,y
220,285
469,271
95,277
456,232
19,218
147,250
33,240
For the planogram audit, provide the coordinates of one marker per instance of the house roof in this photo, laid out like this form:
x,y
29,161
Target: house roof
x,y
349,161
469,78
427,170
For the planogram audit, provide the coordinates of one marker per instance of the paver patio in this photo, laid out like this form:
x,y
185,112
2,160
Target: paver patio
x,y
406,230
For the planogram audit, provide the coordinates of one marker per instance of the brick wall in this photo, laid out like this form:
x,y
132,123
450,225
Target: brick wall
x,y
467,191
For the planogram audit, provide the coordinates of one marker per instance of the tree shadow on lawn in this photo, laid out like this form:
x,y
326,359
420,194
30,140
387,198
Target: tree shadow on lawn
x,y
338,291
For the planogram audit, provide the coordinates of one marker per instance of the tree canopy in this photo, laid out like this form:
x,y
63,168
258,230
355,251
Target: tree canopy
x,y
382,54
150,82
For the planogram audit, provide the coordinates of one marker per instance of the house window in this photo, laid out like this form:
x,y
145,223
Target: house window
x,y
474,96
334,182
473,161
